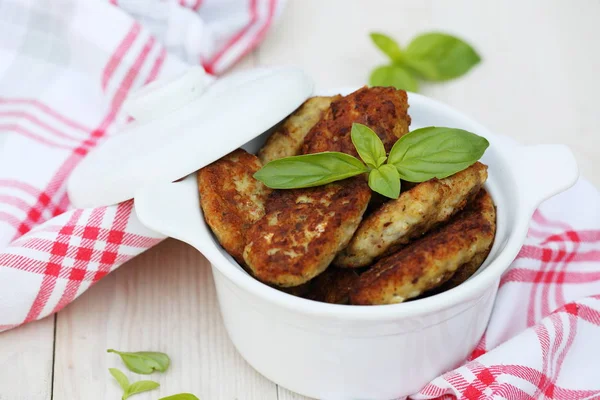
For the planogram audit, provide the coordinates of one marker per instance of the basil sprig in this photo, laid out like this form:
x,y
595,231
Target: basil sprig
x,y
368,145
144,362
435,152
129,389
309,170
389,46
385,180
423,154
431,56
396,76
120,378
180,396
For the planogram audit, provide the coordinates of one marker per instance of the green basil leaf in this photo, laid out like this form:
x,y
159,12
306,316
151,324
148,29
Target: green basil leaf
x,y
144,362
435,152
120,378
309,170
180,396
395,76
440,57
139,387
388,45
386,181
368,145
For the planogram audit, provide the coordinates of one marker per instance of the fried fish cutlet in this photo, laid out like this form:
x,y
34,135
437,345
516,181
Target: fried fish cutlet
x,y
231,199
288,139
409,216
463,273
303,229
431,260
332,286
383,109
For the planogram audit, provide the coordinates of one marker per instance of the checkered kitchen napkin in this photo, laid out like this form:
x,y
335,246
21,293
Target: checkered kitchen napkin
x,y
66,67
543,339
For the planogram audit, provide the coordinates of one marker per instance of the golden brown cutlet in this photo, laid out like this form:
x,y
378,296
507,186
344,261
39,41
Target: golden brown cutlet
x,y
287,140
332,286
303,229
463,273
383,109
231,199
415,212
431,260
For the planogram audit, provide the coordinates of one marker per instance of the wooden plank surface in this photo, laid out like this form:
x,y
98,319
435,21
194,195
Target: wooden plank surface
x,y
537,83
26,361
284,394
163,300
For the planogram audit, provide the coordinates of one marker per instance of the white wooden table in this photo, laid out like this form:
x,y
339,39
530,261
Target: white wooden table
x,y
538,83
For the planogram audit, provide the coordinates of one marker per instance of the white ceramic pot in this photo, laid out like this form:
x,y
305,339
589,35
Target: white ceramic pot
x,y
331,351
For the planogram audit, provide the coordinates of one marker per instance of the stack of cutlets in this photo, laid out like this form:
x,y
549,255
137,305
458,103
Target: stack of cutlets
x,y
319,243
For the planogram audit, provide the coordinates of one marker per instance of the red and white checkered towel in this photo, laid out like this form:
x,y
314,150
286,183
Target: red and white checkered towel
x,y
65,69
543,340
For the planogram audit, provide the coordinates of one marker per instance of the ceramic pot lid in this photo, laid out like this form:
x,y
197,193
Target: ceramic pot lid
x,y
183,124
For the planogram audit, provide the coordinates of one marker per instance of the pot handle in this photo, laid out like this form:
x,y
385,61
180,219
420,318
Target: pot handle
x,y
543,171
173,209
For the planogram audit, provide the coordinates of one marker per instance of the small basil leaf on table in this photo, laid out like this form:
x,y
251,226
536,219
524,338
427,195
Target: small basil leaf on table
x,y
309,170
440,57
368,145
120,378
139,387
435,152
144,362
180,396
388,45
386,181
394,76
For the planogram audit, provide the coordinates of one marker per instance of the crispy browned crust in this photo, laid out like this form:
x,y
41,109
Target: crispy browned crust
x,y
378,200
431,260
415,212
463,273
332,286
231,199
303,229
288,139
383,109
298,291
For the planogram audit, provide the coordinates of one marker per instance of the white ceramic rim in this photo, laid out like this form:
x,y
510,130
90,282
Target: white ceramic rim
x,y
470,289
